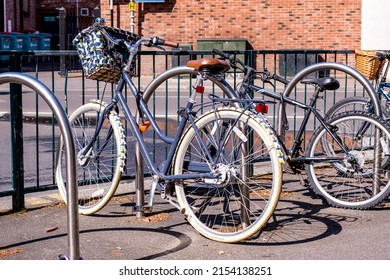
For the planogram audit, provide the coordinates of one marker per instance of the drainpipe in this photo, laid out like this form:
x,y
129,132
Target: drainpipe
x,y
132,9
77,16
112,12
5,15
15,15
21,18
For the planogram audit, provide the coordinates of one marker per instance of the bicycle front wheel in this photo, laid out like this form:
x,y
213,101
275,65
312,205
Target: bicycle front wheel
x,y
354,171
100,170
239,203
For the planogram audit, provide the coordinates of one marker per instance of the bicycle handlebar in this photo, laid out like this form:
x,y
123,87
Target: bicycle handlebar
x,y
230,57
280,79
156,41
266,76
381,55
149,42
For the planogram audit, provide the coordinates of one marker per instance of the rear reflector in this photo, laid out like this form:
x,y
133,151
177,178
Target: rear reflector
x,y
261,108
199,89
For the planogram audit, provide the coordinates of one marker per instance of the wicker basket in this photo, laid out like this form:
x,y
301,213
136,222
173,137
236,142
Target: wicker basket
x,y
366,64
99,59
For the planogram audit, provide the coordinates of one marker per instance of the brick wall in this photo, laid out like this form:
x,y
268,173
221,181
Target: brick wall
x,y
266,24
13,14
10,9
30,10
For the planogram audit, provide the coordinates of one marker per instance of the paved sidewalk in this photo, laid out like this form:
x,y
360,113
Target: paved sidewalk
x,y
303,228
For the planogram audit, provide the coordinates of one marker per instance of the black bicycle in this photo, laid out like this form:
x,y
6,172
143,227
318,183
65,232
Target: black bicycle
x,y
344,164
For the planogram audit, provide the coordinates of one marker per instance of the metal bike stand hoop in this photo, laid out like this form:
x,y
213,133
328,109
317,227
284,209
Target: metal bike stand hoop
x,y
66,132
327,66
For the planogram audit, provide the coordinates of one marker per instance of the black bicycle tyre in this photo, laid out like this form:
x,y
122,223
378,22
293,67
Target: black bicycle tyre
x,y
338,188
357,103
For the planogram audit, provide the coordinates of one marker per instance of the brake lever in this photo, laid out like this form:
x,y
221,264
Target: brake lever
x,y
265,77
159,47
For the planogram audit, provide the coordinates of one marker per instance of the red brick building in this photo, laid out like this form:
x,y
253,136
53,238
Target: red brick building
x,y
42,16
265,24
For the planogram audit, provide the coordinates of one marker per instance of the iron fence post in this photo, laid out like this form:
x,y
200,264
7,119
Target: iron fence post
x,y
62,35
16,122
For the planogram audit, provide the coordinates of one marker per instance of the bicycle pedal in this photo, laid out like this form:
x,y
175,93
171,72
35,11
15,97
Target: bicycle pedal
x,y
144,126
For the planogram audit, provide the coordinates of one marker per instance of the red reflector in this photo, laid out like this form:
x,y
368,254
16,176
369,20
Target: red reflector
x,y
200,89
261,108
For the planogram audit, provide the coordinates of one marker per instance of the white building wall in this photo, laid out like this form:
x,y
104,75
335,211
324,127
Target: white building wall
x,y
375,25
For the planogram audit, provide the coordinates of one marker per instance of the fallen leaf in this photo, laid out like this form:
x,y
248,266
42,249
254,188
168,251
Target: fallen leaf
x,y
51,229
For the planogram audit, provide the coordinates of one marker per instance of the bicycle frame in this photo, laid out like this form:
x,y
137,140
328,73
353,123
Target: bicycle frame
x,y
295,161
382,92
293,152
186,116
241,96
383,84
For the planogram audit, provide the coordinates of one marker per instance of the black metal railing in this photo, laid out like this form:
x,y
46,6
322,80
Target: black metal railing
x,y
30,133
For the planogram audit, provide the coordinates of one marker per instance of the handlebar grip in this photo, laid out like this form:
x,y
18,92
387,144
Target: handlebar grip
x,y
160,42
171,44
280,79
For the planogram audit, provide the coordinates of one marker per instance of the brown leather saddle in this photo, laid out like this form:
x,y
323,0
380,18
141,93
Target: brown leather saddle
x,y
209,64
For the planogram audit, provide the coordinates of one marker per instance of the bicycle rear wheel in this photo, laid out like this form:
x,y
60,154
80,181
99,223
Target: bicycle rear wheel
x,y
100,170
359,179
353,103
238,204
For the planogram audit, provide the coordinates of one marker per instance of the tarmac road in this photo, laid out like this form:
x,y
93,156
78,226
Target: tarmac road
x,y
302,229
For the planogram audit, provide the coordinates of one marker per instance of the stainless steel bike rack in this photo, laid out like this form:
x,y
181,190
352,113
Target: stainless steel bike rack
x,y
346,69
66,132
